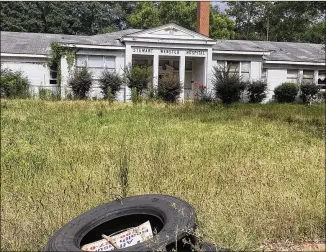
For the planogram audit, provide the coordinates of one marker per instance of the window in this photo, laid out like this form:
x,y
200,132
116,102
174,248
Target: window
x,y
53,76
233,66
95,61
292,76
109,62
245,70
322,77
308,76
81,61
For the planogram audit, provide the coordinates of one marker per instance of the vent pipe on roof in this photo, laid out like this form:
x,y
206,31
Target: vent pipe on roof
x,y
203,10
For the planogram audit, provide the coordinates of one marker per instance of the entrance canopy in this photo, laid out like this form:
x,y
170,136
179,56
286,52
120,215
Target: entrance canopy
x,y
176,45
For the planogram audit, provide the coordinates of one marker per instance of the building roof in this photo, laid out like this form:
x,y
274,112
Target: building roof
x,y
279,51
40,43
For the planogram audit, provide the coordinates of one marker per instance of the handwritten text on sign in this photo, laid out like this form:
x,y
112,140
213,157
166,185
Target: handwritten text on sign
x,y
125,239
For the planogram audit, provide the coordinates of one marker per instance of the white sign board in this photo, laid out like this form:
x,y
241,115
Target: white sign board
x,y
125,239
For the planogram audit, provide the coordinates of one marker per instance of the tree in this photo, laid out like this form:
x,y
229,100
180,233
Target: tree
x,y
279,21
148,15
83,18
145,16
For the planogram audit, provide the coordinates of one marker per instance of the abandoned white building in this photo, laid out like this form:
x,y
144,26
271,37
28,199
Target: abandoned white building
x,y
167,48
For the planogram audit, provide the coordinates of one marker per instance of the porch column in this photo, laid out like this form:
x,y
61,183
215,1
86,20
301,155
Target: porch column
x,y
155,70
128,62
182,68
300,76
66,72
209,70
315,79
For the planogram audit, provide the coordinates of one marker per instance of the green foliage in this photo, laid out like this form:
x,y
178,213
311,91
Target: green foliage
x,y
110,96
228,86
279,21
47,94
76,18
137,77
80,82
135,98
183,13
308,92
13,84
110,80
145,16
286,92
220,26
169,87
257,91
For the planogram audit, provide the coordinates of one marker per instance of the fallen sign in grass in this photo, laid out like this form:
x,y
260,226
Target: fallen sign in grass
x,y
254,173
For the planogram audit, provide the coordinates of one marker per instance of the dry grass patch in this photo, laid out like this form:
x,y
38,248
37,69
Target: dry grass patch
x,y
254,173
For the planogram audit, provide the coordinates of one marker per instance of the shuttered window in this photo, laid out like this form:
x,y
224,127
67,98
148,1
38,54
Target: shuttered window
x,y
245,70
308,76
292,76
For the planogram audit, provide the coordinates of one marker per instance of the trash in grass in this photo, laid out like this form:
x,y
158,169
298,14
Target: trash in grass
x,y
124,239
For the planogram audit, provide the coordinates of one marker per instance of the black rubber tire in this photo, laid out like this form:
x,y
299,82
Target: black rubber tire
x,y
209,247
177,216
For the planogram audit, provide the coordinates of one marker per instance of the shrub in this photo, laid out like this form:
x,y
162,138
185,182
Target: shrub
x,y
137,77
13,84
228,85
169,87
135,98
286,92
80,82
256,91
47,94
308,92
110,81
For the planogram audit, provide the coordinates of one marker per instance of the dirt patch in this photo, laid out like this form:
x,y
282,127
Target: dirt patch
x,y
306,246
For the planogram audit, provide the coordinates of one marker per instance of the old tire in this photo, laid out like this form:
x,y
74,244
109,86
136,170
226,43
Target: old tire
x,y
208,247
172,217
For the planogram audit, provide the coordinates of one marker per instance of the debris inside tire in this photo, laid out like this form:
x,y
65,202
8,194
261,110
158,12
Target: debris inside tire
x,y
124,239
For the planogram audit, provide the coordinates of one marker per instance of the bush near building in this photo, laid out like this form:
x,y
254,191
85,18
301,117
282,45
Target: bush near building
x,y
286,92
228,86
80,83
257,91
137,77
169,87
308,92
13,84
110,81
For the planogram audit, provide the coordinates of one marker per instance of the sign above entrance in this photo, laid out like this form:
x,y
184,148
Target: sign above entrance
x,y
142,50
195,52
169,51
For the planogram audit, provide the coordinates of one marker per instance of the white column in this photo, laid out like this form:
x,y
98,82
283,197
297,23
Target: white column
x,y
209,70
128,62
155,70
182,68
300,76
65,70
315,79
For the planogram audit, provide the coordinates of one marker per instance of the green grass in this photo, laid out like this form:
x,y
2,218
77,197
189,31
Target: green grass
x,y
254,173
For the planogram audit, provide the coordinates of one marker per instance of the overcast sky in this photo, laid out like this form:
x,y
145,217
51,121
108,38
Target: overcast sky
x,y
222,5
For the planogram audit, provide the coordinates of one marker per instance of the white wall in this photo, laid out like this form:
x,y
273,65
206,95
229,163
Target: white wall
x,y
275,77
36,70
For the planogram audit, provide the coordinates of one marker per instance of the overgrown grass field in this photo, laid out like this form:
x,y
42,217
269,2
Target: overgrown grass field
x,y
254,173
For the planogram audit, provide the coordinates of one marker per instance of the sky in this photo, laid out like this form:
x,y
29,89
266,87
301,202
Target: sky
x,y
222,5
